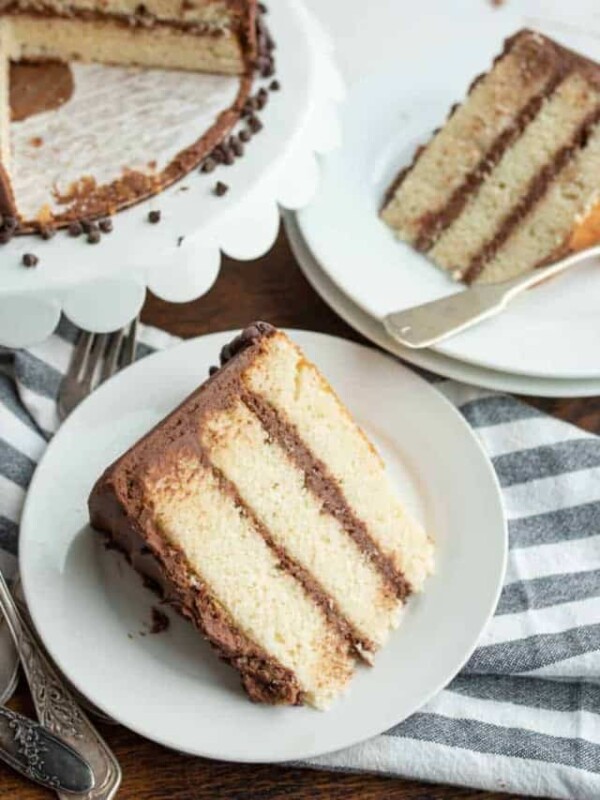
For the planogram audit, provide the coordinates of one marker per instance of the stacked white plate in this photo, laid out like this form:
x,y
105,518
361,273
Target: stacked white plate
x,y
548,342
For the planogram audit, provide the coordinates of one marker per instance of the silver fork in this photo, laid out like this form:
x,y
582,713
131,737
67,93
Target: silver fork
x,y
96,357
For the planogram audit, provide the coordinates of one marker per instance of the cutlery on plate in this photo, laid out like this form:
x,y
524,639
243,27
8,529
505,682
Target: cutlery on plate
x,y
39,755
96,357
430,323
56,709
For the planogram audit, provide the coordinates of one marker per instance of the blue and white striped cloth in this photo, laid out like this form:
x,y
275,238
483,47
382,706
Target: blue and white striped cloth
x,y
524,714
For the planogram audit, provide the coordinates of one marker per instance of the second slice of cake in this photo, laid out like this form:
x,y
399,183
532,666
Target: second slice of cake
x,y
267,517
512,180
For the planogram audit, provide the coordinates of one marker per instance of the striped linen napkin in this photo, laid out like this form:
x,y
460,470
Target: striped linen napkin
x,y
524,714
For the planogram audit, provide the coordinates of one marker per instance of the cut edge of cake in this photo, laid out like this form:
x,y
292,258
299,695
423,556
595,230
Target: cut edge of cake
x,y
497,159
196,507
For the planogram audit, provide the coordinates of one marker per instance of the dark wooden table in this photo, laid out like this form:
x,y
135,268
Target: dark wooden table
x,y
272,289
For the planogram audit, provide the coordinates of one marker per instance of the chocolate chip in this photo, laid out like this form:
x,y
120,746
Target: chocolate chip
x,y
180,240
220,189
262,97
255,124
86,225
208,165
93,236
105,225
262,8
154,217
212,370
47,233
228,156
236,146
218,154
275,86
11,223
75,229
29,260
244,135
248,107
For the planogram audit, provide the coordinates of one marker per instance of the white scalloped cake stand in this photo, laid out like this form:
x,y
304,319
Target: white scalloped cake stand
x,y
102,288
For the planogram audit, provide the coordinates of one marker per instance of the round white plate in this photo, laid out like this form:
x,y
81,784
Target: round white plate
x,y
89,606
102,288
552,332
427,359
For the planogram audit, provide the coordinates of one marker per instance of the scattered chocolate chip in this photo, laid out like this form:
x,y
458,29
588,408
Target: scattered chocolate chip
x,y
29,260
275,86
262,8
262,98
47,233
244,135
154,217
236,146
218,154
255,124
208,165
180,240
105,225
220,189
86,225
11,224
228,156
248,107
93,236
212,370
75,229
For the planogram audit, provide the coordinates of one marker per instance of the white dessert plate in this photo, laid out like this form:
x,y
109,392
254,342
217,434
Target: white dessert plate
x,y
550,332
426,359
90,607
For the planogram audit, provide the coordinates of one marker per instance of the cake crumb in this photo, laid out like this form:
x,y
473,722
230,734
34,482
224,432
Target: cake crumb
x,y
36,141
160,621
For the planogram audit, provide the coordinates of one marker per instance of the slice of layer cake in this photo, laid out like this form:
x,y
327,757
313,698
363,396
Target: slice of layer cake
x,y
512,180
267,517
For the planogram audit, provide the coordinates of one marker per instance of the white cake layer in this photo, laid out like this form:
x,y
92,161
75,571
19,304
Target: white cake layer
x,y
283,377
553,128
111,43
274,488
468,136
243,574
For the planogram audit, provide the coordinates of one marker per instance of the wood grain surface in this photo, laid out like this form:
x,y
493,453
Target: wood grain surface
x,y
272,289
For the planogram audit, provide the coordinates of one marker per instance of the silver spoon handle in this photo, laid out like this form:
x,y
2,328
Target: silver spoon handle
x,y
57,710
39,755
